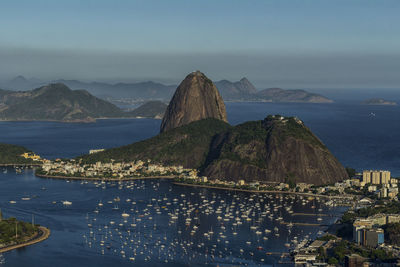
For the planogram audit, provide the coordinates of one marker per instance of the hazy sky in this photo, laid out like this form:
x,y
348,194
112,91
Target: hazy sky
x,y
291,44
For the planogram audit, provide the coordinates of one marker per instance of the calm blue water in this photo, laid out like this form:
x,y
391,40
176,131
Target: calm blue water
x,y
357,138
353,135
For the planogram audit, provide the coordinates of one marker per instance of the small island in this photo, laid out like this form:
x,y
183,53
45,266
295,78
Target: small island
x,y
16,234
379,102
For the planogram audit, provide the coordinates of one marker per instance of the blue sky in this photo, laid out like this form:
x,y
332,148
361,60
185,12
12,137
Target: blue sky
x,y
296,44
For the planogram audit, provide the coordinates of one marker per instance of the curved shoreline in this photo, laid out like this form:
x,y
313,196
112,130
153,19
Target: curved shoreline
x,y
192,185
101,179
43,235
261,191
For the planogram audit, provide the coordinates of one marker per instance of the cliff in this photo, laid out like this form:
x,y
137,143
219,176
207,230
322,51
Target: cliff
x,y
196,98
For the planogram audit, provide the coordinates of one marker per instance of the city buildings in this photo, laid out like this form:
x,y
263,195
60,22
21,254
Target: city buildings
x,y
32,156
367,231
376,177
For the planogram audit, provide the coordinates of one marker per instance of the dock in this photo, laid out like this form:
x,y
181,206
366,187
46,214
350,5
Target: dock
x,y
313,214
304,224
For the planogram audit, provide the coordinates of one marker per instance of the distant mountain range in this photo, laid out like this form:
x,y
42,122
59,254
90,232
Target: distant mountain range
x,y
242,90
57,102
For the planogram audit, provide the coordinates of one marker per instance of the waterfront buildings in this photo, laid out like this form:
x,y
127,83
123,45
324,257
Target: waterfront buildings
x,y
115,170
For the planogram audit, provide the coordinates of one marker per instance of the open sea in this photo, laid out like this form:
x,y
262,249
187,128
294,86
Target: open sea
x,y
180,226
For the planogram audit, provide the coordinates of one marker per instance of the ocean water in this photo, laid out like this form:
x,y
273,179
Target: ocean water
x,y
359,136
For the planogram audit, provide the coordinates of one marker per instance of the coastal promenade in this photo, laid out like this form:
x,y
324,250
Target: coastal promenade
x,y
42,235
266,191
101,179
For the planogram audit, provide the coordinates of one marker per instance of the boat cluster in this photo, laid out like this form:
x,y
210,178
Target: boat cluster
x,y
192,225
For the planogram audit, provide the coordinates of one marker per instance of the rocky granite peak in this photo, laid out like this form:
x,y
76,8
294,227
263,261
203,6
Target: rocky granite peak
x,y
196,98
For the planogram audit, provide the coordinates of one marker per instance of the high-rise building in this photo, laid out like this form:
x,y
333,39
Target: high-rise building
x,y
376,177
374,237
385,177
367,177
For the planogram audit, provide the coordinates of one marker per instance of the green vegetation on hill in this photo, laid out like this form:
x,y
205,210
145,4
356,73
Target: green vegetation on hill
x,y
7,231
338,252
276,149
11,154
293,127
187,145
245,142
238,137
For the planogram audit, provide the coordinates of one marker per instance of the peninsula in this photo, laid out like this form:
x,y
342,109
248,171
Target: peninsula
x,y
16,234
13,155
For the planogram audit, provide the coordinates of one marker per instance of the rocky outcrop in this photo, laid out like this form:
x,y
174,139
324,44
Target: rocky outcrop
x,y
276,149
195,98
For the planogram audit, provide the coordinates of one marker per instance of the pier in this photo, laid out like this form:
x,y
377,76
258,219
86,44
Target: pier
x,y
313,214
304,224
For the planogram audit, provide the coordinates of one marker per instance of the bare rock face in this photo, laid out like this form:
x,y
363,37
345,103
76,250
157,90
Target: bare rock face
x,y
196,98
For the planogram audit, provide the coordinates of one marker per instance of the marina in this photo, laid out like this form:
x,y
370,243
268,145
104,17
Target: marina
x,y
156,222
